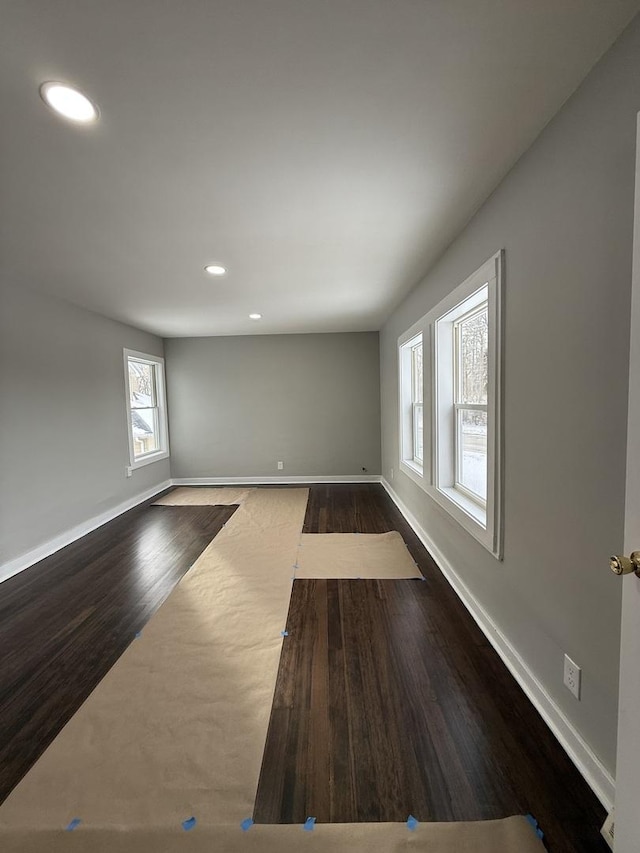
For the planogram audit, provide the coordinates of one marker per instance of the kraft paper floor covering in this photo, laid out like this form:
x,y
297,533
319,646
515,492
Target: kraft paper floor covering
x,y
355,555
177,727
512,835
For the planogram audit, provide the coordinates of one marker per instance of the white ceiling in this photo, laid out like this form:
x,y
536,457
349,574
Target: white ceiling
x,y
325,151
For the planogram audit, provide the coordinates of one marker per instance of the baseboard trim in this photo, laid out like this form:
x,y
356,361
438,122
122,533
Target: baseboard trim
x,y
24,561
266,481
594,772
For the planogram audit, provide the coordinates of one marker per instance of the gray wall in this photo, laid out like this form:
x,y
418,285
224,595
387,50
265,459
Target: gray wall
x,y
564,215
237,405
63,437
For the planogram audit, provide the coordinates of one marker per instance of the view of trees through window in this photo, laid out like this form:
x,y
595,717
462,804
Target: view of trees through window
x,y
143,405
472,376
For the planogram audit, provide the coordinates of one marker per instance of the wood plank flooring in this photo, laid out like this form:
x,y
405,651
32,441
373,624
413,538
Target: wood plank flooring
x,y
65,621
390,700
401,691
380,711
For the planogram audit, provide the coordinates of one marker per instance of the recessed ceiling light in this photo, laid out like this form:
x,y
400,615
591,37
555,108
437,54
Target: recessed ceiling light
x,y
68,102
255,316
215,269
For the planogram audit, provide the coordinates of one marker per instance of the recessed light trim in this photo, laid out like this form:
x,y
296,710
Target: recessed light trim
x,y
69,102
255,316
215,269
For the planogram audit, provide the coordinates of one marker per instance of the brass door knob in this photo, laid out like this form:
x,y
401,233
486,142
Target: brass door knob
x,y
625,565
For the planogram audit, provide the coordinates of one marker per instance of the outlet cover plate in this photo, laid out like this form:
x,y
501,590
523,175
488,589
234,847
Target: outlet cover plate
x,y
608,828
572,676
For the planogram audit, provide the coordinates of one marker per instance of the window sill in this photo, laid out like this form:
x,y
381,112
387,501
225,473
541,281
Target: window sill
x,y
413,470
147,460
470,507
468,514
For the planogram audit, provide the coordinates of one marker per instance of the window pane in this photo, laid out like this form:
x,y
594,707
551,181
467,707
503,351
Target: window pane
x,y
417,432
416,373
473,355
144,426
142,384
472,451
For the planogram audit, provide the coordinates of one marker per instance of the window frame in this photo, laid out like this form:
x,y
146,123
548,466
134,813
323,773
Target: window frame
x,y
437,477
417,395
411,465
460,406
160,407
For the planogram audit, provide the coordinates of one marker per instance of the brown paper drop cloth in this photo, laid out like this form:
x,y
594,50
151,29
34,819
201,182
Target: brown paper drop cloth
x,y
204,496
511,835
353,555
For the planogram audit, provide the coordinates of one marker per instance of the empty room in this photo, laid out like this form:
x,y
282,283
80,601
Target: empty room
x,y
319,446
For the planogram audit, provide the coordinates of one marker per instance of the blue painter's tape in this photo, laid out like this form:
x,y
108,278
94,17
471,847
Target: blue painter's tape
x,y
189,823
246,824
412,823
309,823
284,633
73,824
534,824
138,634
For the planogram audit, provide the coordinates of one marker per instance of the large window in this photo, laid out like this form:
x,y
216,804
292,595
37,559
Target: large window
x,y
146,408
471,369
460,389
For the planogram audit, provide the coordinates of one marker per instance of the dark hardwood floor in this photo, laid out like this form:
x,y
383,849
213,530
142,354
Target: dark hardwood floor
x,y
352,508
389,698
391,701
387,704
65,621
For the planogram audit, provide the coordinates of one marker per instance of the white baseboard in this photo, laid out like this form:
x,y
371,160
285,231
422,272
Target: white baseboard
x,y
266,481
19,564
24,561
594,772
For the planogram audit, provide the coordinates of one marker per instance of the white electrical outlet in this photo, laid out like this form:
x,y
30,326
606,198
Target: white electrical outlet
x,y
608,828
280,466
572,676
128,471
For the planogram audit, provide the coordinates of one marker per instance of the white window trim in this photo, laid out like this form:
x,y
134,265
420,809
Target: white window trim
x,y
484,525
407,461
161,399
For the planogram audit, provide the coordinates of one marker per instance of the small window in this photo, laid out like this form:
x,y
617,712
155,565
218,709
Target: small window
x,y
146,408
412,403
416,403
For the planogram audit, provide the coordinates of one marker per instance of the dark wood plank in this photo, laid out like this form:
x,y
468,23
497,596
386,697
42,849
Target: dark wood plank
x,y
66,620
422,715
